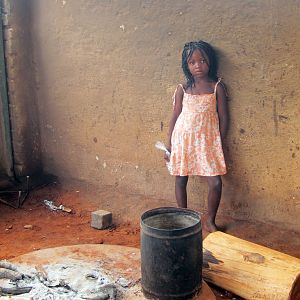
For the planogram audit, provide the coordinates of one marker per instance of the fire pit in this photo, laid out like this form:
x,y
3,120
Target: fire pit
x,y
82,272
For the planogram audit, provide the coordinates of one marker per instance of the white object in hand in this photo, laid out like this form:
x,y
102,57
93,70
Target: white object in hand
x,y
162,146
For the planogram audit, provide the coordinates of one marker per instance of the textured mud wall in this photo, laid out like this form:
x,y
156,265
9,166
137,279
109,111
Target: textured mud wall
x,y
105,74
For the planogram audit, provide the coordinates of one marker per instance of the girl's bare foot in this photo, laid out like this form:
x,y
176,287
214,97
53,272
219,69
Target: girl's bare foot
x,y
210,226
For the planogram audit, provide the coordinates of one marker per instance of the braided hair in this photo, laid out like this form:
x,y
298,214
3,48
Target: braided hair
x,y
207,50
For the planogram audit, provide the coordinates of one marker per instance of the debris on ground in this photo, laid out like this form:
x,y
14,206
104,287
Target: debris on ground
x,y
52,206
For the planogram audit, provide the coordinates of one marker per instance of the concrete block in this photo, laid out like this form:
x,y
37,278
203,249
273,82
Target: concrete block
x,y
101,219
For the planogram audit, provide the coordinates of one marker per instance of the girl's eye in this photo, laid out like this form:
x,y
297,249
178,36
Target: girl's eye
x,y
202,61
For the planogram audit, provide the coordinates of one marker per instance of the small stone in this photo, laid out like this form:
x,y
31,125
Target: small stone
x,y
123,282
28,226
66,209
110,289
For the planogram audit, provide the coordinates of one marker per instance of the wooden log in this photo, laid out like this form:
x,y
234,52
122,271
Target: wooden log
x,y
14,291
10,274
250,270
7,265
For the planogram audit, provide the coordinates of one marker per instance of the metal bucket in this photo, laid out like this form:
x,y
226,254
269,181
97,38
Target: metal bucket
x,y
171,253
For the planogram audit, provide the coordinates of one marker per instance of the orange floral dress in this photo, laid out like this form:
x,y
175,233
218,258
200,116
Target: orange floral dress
x,y
196,140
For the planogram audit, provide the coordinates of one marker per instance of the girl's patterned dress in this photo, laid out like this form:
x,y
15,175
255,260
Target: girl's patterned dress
x,y
196,139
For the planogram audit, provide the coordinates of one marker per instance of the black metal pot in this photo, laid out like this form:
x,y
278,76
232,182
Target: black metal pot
x,y
171,253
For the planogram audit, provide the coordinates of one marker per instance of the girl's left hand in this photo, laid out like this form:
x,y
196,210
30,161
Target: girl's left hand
x,y
167,156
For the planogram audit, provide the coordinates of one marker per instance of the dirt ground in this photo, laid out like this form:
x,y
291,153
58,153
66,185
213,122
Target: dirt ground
x,y
56,228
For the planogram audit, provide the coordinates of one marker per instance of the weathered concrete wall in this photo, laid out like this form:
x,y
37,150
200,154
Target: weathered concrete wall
x,y
6,164
21,88
106,71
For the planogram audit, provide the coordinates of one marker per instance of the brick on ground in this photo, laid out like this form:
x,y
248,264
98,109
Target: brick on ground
x,y
101,219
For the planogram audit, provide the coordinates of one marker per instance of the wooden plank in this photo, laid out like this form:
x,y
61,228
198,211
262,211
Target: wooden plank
x,y
250,270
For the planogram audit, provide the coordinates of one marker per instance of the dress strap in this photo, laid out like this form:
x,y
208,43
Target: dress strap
x,y
219,80
173,98
182,87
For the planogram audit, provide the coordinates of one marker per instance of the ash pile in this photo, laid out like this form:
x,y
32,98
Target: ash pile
x,y
71,280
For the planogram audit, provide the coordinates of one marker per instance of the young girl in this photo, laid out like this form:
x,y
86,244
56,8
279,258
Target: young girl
x,y
198,127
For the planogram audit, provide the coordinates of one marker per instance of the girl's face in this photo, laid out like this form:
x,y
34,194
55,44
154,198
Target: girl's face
x,y
198,64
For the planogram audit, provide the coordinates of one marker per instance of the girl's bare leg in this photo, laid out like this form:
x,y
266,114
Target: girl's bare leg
x,y
214,197
180,191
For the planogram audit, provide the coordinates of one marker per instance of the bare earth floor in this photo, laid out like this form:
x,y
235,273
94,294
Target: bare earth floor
x,y
57,228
